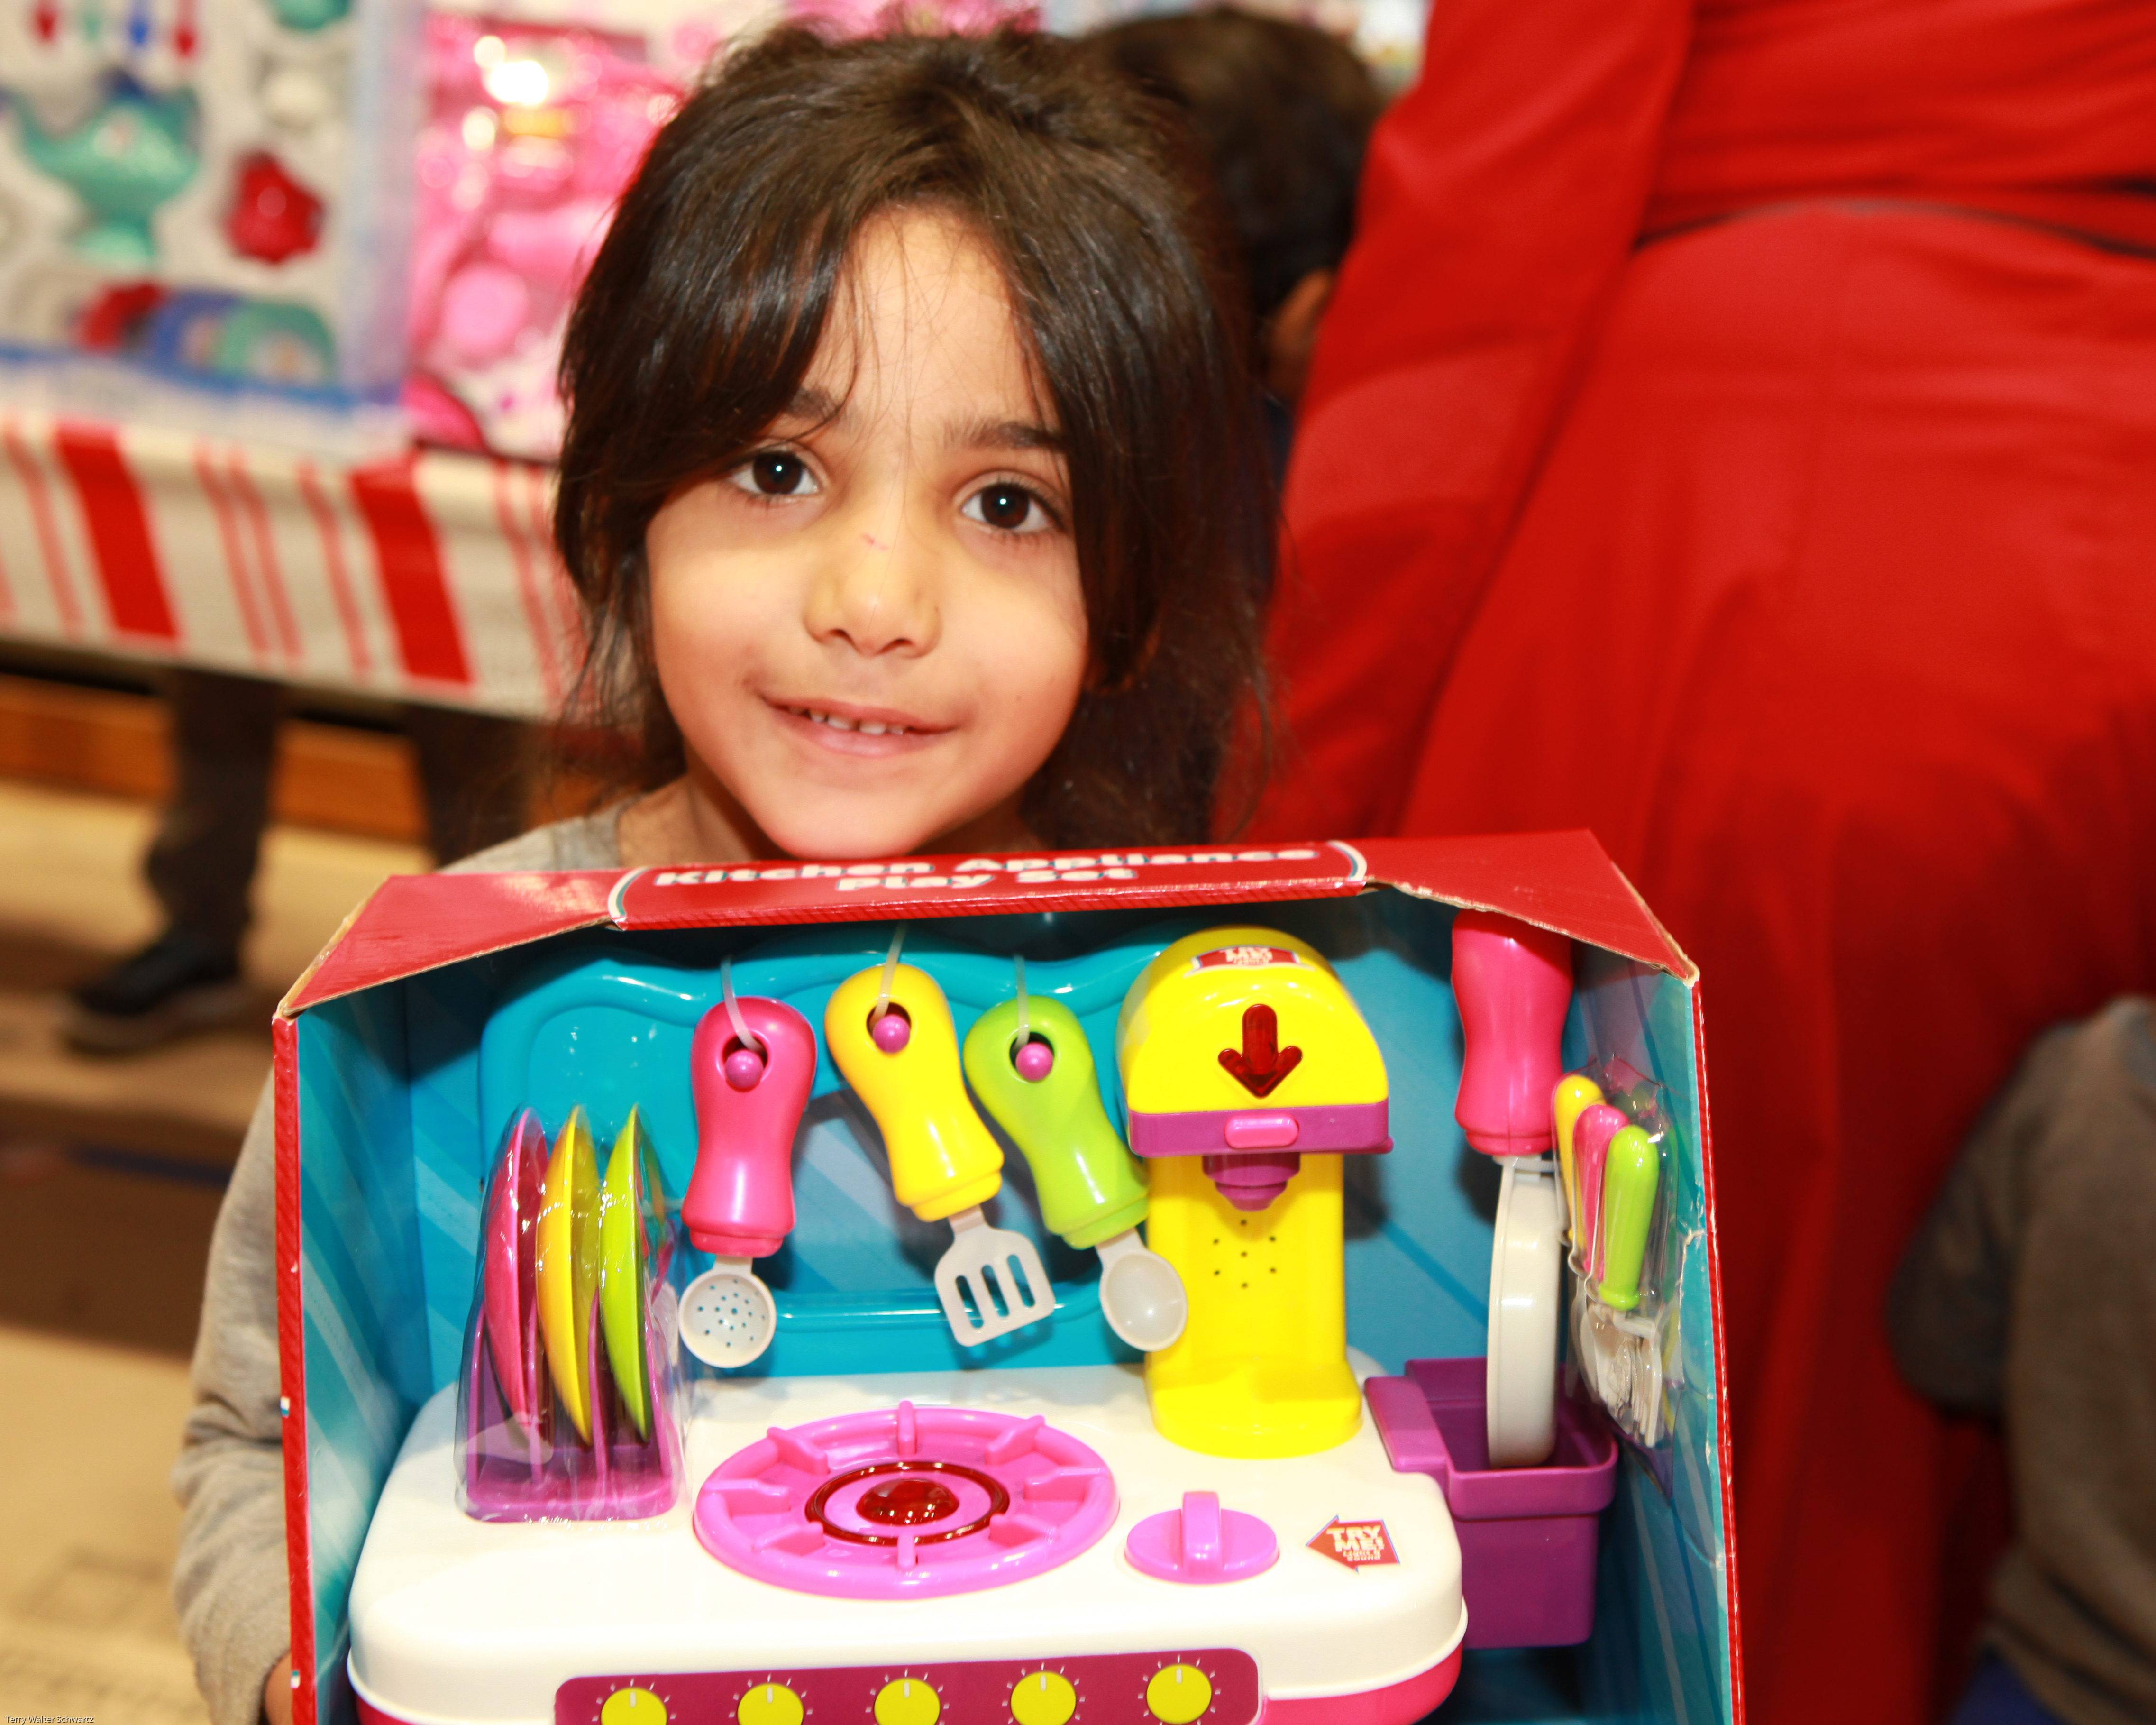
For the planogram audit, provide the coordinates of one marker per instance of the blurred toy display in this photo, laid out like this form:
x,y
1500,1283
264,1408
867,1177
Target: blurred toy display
x,y
201,193
531,132
535,120
342,221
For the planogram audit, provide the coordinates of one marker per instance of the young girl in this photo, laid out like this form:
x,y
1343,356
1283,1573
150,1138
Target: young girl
x,y
914,491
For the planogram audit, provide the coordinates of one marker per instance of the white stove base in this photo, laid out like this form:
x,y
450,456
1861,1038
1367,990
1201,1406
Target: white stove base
x,y
459,1622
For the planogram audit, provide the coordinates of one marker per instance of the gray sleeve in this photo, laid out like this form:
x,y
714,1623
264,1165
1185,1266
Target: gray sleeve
x,y
587,841
229,1583
1948,1314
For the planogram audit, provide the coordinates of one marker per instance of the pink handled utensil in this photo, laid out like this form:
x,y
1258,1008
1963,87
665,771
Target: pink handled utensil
x,y
1591,1134
1513,982
750,1069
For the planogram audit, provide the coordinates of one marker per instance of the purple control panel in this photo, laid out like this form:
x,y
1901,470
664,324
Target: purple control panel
x,y
1203,1686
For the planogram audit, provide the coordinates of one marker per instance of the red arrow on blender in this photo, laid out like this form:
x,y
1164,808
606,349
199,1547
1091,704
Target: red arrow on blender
x,y
1260,1063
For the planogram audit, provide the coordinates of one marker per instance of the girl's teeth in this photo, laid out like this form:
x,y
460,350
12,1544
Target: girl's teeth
x,y
867,727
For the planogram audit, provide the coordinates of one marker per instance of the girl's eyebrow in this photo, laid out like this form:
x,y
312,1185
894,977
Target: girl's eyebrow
x,y
816,406
1002,434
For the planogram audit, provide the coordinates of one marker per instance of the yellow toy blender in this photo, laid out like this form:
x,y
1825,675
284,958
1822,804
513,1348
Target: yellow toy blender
x,y
1247,1074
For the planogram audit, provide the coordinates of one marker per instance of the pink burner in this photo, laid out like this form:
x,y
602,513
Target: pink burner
x,y
905,1502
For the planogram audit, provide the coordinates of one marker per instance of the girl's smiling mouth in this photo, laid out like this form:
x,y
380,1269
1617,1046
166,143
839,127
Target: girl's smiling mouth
x,y
856,730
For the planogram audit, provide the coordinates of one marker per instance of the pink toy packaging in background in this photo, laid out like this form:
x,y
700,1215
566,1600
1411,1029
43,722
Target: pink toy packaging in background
x,y
531,132
536,121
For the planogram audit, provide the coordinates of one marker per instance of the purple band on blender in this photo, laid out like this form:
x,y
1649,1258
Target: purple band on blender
x,y
1349,1128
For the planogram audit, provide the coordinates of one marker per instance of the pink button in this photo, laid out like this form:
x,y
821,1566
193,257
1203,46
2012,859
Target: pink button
x,y
1201,1544
1261,1131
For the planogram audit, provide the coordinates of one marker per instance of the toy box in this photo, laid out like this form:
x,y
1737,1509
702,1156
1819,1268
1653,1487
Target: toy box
x,y
908,1492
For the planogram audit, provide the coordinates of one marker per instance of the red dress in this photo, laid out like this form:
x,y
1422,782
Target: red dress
x,y
1735,431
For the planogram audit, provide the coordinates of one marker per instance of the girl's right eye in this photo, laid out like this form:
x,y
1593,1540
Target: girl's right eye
x,y
775,473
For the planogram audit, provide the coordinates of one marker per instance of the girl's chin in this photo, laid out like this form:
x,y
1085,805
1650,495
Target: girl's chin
x,y
791,814
848,831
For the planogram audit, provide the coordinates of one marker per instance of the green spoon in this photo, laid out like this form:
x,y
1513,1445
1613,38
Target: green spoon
x,y
1029,1062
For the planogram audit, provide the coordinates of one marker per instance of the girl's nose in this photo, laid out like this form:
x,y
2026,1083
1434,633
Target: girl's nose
x,y
876,592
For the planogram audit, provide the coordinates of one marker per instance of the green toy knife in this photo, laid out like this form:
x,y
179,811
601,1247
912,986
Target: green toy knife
x,y
1630,1176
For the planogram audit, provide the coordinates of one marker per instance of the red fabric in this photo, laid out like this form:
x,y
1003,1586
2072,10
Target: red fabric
x,y
1805,555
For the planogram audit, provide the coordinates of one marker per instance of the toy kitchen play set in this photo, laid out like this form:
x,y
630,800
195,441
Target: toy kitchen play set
x,y
1090,1289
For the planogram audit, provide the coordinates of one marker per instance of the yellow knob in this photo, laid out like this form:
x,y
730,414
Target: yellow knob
x,y
769,1704
634,1706
907,1700
1045,1698
1179,1694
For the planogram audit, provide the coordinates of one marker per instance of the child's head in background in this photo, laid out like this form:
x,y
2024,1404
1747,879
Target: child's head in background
x,y
913,485
1283,112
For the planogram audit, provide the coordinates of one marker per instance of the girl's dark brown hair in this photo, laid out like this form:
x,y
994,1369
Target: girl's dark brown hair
x,y
703,310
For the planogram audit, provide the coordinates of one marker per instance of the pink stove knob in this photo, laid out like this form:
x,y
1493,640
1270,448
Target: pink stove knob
x,y
1201,1543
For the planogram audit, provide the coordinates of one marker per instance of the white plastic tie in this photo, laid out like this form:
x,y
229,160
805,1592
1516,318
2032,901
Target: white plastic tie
x,y
890,971
1024,1021
733,1009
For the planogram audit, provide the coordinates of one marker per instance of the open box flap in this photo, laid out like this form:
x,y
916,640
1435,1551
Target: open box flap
x,y
1563,881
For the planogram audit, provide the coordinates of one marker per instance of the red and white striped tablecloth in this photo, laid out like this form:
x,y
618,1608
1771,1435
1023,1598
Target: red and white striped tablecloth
x,y
431,577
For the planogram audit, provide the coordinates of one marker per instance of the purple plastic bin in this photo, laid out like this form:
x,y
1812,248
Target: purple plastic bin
x,y
1526,1534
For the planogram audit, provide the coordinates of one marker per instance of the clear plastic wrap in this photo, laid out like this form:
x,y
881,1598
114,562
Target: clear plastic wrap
x,y
568,1405
1616,1135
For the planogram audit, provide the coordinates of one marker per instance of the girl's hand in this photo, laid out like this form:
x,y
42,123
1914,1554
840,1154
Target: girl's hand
x,y
277,1692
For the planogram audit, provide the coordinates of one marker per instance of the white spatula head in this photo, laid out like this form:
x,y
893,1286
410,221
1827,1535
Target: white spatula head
x,y
991,1280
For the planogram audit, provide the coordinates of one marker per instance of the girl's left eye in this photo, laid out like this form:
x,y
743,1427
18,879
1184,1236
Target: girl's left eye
x,y
1008,509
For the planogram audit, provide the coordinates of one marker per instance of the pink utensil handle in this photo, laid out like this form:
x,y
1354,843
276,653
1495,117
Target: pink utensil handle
x,y
1591,1134
1512,983
740,1202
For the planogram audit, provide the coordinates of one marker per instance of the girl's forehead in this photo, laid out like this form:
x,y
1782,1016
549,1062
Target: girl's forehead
x,y
924,322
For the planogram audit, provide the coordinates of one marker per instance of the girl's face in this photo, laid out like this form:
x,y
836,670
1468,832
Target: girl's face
x,y
871,633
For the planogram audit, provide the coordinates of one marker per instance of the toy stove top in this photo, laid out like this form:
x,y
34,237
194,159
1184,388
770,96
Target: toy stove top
x,y
958,1534
907,1503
